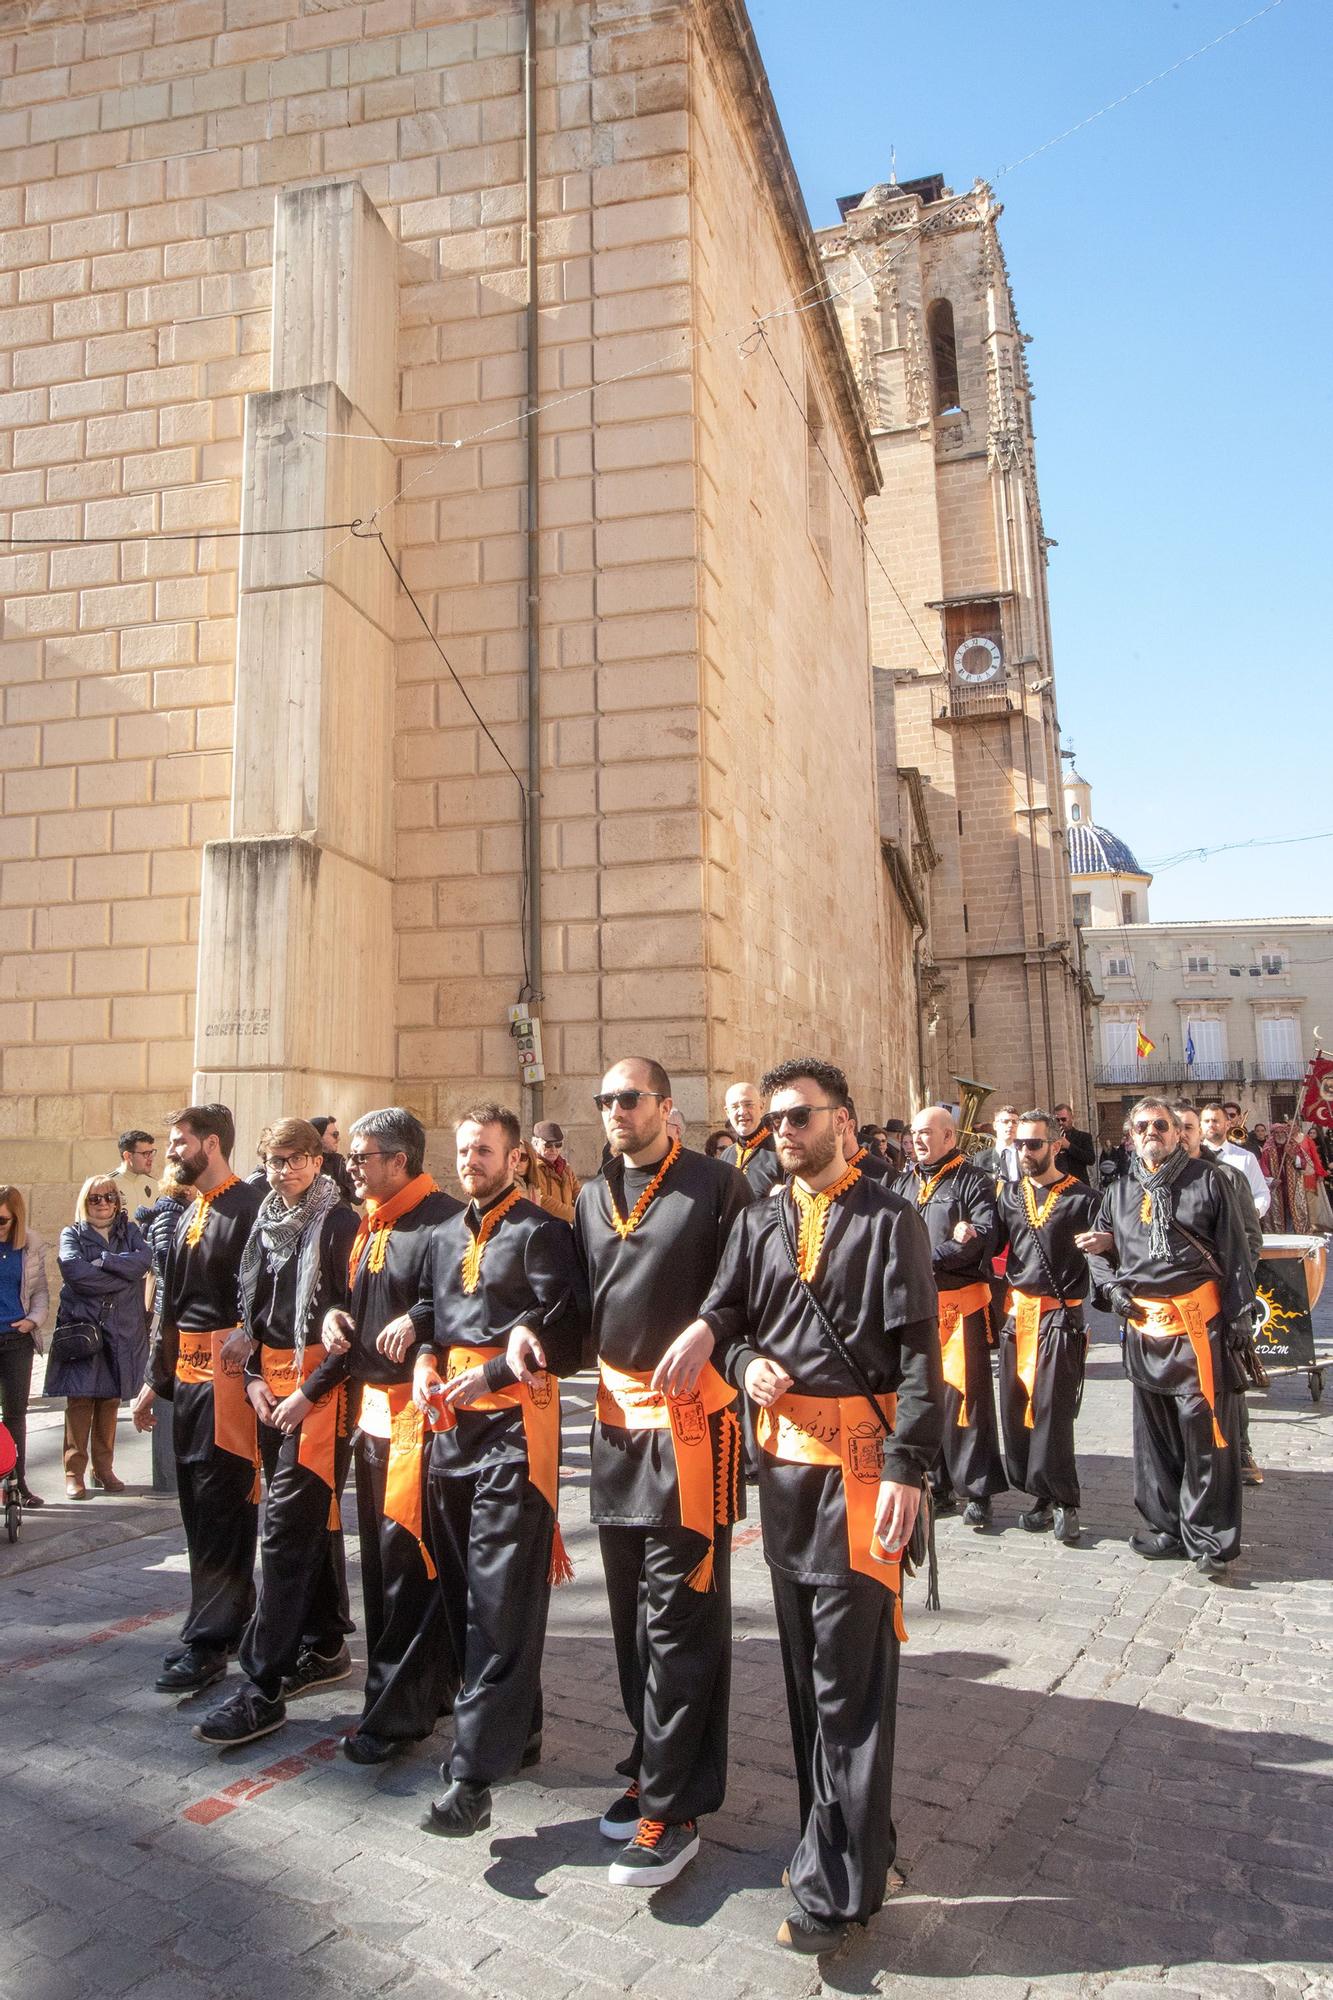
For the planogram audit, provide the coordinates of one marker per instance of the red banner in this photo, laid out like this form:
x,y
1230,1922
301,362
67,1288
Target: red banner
x,y
1317,1103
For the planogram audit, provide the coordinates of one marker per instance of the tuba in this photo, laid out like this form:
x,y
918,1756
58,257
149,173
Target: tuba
x,y
974,1095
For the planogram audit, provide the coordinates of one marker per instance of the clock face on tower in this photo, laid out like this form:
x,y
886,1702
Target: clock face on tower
x,y
977,660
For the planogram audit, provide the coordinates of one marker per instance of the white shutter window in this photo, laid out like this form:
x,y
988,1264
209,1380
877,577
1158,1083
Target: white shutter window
x,y
1210,1048
1280,1045
1119,1051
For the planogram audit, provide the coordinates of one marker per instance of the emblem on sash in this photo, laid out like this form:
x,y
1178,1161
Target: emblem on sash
x,y
541,1389
687,1418
865,1453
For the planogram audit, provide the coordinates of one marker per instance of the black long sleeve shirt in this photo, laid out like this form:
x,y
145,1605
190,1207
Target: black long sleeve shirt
x,y
965,1195
1075,1211
876,1284
761,1169
200,1289
273,1318
384,1295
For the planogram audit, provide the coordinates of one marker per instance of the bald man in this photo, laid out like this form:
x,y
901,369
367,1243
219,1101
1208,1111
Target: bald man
x,y
956,1201
752,1150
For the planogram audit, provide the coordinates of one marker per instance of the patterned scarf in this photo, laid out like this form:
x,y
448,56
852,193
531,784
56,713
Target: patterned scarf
x,y
1156,1210
279,1234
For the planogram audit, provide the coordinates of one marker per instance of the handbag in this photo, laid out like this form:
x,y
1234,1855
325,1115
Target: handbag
x,y
76,1340
921,1542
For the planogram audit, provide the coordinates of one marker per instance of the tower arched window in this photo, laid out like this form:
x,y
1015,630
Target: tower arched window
x,y
943,354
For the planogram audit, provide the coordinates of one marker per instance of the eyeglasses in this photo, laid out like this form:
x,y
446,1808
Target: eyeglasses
x,y
798,1116
1031,1145
1152,1124
355,1159
624,1100
285,1163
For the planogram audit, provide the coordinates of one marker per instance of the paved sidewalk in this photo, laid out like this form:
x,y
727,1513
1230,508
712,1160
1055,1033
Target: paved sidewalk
x,y
1110,1778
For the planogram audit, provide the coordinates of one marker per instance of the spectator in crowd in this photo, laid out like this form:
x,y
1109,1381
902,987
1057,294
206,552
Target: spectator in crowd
x,y
1252,1141
104,1260
258,1175
895,1132
675,1125
1074,1150
24,1301
1294,1172
717,1143
1000,1158
158,1223
138,1150
333,1164
553,1184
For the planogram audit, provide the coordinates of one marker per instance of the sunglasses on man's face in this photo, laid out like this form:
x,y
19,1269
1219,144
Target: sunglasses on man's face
x,y
624,1100
1152,1124
1032,1145
798,1116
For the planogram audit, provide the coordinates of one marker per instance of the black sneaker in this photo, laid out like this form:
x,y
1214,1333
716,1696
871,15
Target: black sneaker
x,y
366,1748
248,1715
191,1673
977,1514
1067,1529
1037,1518
316,1670
31,1500
812,1936
465,1809
1157,1548
622,1818
657,1854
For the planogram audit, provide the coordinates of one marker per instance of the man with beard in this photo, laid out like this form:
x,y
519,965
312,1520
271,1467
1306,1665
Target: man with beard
x,y
1169,1250
957,1204
1044,1346
410,1668
293,1269
1074,1149
825,1309
666,1483
197,1360
752,1150
502,1313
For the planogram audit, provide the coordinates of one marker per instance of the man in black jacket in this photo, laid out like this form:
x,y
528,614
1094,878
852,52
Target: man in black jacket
x,y
752,1150
1169,1250
1075,1152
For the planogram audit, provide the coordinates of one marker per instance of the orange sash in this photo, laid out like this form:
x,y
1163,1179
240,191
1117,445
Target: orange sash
x,y
627,1402
320,1431
539,1402
838,1430
1189,1315
1027,1309
235,1426
955,1307
387,1411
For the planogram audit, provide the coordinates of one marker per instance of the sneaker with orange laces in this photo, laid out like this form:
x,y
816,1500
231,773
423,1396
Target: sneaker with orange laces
x,y
658,1853
622,1816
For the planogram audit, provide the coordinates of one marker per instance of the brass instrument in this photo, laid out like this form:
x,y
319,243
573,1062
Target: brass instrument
x,y
973,1096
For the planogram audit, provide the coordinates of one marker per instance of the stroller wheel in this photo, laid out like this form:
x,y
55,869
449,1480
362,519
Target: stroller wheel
x,y
13,1515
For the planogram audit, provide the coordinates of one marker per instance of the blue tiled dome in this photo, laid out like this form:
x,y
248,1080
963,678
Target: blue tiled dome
x,y
1094,851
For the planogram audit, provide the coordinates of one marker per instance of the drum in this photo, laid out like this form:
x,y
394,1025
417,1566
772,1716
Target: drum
x,y
1313,1253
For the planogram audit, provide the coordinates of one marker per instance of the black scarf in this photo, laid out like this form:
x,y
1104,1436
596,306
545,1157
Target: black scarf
x,y
280,1233
1157,1186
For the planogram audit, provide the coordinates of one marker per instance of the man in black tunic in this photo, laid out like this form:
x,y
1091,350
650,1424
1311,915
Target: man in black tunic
x,y
957,1204
666,1483
411,1673
752,1150
1043,1345
1170,1252
502,1313
841,1475
293,1269
196,1360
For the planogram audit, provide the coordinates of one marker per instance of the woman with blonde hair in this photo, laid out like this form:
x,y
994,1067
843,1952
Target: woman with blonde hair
x,y
23,1307
100,1346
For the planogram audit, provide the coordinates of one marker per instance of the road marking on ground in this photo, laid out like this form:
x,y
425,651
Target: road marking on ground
x,y
204,1811
101,1638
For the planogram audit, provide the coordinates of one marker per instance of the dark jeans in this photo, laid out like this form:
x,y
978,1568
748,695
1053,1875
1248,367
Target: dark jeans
x,y
16,1358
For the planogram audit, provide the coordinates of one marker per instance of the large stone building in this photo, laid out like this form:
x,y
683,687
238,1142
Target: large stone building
x,y
271,267
960,632
1231,1006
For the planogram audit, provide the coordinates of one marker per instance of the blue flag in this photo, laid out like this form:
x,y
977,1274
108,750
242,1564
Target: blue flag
x,y
1189,1044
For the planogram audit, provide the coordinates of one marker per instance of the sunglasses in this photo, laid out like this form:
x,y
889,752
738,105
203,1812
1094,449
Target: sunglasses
x,y
1152,1124
798,1116
358,1159
103,1197
624,1100
1032,1145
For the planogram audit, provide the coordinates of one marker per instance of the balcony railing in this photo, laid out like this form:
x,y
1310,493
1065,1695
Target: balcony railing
x,y
1278,1069
1168,1069
961,704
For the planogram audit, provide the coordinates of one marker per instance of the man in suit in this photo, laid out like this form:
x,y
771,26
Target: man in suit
x,y
1074,1151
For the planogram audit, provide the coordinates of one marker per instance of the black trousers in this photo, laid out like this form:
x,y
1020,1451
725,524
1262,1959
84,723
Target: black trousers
x,y
673,1656
16,1357
302,1566
490,1534
1185,1484
840,1663
969,1461
1041,1460
221,1525
411,1673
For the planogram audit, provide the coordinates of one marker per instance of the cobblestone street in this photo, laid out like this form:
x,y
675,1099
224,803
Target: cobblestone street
x,y
1111,1777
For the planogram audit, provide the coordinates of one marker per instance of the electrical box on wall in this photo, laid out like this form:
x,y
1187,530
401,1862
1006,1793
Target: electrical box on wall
x,y
526,1028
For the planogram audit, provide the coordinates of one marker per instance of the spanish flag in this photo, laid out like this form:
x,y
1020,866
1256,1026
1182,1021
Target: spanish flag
x,y
1143,1048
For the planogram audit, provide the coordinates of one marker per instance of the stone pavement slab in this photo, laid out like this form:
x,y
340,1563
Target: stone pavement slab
x,y
1110,1779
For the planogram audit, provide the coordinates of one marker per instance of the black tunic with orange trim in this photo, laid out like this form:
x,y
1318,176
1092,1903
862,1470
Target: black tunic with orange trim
x,y
963,1195
646,1289
874,1281
200,1293
1074,1211
273,1319
384,1295
759,1164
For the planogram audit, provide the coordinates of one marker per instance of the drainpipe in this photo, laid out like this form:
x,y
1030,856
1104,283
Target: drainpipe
x,y
536,1091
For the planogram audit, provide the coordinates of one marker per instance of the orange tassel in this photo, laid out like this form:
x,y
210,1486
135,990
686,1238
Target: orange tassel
x,y
562,1569
899,1627
701,1576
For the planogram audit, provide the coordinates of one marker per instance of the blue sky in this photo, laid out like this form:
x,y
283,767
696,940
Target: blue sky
x,y
1172,263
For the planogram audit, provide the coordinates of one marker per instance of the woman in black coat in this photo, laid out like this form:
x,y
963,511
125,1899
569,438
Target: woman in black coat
x,y
104,1260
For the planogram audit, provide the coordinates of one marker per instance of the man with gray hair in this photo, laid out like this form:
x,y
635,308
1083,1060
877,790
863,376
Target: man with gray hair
x,y
1169,1251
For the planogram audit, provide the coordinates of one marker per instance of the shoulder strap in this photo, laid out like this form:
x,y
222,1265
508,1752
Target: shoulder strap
x,y
849,1361
1040,1241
